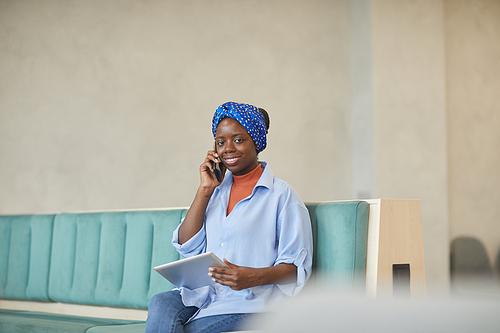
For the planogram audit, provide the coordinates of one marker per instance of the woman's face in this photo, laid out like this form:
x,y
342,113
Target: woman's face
x,y
235,147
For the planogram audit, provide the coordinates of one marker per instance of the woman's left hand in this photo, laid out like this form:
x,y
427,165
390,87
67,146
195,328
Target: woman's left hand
x,y
236,277
240,277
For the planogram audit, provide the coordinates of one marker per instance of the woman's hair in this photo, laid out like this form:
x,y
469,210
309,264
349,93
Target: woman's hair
x,y
266,118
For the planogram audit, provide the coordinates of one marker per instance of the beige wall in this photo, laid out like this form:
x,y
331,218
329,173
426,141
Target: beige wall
x,y
107,105
473,81
410,118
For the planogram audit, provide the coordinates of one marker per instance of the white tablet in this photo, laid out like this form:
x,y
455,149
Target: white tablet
x,y
191,272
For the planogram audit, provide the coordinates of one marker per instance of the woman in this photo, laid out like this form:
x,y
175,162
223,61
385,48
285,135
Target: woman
x,y
256,222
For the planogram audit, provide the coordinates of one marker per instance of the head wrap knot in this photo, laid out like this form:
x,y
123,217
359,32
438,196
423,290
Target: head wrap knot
x,y
248,116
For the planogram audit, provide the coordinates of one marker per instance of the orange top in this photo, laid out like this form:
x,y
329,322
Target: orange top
x,y
243,186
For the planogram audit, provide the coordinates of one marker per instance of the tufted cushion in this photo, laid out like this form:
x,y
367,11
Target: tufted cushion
x,y
108,258
24,256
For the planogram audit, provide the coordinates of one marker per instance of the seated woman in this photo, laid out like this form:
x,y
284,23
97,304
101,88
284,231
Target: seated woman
x,y
256,222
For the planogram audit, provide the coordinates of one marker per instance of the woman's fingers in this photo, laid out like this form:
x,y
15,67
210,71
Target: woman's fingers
x,y
209,160
212,156
219,274
207,168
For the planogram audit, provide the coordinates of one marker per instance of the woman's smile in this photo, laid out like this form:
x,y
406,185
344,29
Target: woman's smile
x,y
230,161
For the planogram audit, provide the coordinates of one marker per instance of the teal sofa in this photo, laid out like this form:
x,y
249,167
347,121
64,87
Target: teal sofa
x,y
106,260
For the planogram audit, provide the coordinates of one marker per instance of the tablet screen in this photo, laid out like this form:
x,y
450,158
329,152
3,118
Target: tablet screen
x,y
191,272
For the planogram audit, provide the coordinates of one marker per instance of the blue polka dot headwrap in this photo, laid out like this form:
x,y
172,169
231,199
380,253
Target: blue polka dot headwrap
x,y
248,116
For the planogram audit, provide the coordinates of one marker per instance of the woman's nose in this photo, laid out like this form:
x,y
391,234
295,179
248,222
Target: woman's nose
x,y
229,147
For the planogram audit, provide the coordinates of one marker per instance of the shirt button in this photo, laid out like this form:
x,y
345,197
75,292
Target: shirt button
x,y
221,244
303,252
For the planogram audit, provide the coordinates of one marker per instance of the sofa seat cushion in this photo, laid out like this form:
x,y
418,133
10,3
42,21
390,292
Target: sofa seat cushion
x,y
131,328
27,321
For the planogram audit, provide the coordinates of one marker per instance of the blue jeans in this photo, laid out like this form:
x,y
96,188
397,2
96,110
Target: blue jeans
x,y
167,314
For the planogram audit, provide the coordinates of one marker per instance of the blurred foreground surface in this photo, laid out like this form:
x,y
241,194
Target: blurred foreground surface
x,y
475,308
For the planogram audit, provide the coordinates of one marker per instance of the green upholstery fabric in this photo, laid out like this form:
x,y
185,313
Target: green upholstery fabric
x,y
24,321
108,258
340,232
25,256
311,207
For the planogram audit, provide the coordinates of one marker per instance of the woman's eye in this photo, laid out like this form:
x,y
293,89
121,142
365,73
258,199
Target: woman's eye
x,y
238,140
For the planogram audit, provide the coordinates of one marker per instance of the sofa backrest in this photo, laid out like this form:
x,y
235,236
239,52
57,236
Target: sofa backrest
x,y
25,248
340,233
108,258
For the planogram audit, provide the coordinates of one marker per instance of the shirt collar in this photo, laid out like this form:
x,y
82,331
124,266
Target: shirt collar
x,y
266,180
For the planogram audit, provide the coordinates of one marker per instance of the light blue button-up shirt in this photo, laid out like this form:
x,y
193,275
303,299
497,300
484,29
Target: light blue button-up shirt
x,y
270,227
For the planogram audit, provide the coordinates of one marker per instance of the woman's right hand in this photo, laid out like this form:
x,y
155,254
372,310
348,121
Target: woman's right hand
x,y
208,179
193,221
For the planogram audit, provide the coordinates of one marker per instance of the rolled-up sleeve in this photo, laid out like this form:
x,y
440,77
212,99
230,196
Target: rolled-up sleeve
x,y
295,245
195,245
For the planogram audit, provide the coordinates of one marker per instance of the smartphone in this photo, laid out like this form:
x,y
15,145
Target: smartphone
x,y
217,167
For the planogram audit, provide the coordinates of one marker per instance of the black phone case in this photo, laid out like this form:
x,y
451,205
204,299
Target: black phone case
x,y
217,168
